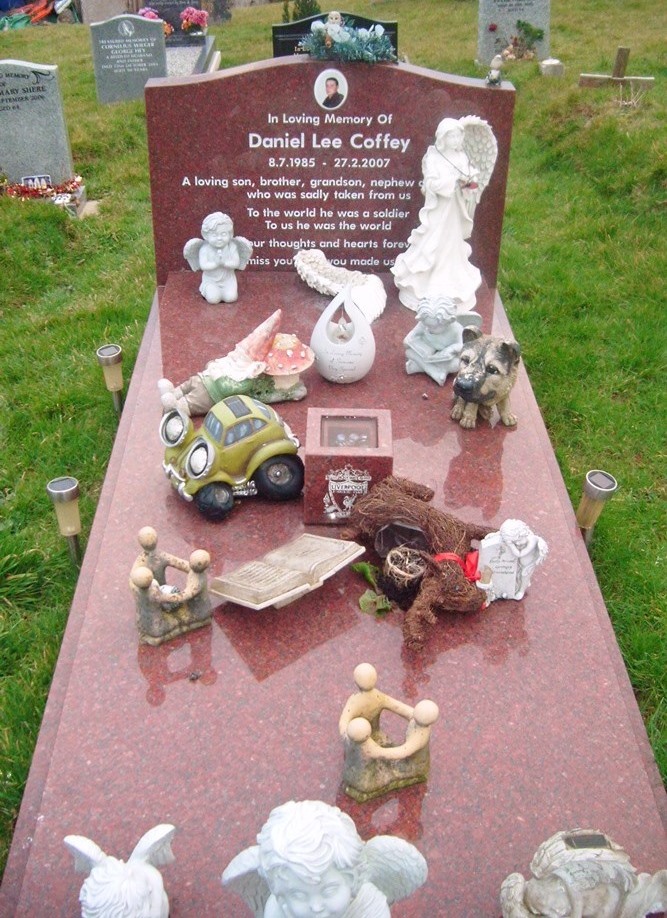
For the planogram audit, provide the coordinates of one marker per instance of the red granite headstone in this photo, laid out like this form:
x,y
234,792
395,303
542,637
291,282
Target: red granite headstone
x,y
257,143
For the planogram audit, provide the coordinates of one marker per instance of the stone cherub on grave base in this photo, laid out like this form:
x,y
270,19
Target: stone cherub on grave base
x,y
488,369
310,861
582,873
115,888
434,344
219,255
266,365
163,611
373,765
507,560
456,170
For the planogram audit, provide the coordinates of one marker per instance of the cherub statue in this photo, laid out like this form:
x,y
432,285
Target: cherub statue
x,y
434,344
583,874
310,862
508,558
218,256
456,170
114,887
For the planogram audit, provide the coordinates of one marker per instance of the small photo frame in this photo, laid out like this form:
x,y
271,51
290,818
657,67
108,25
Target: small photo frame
x,y
330,89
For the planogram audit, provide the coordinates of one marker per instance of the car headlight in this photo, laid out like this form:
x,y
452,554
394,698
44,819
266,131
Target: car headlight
x,y
173,428
199,460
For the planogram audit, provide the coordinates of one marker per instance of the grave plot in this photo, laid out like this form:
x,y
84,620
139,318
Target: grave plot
x,y
538,729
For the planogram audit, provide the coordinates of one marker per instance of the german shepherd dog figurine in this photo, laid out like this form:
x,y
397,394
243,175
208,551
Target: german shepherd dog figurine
x,y
487,371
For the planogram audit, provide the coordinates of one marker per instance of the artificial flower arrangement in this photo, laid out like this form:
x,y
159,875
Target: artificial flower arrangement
x,y
147,12
336,39
41,189
193,20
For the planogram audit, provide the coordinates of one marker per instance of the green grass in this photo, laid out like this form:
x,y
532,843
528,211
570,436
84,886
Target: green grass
x,y
582,275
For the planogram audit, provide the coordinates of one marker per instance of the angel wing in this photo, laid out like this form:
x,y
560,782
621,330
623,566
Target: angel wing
x,y
480,146
511,897
244,248
191,252
86,853
395,866
562,849
155,846
242,877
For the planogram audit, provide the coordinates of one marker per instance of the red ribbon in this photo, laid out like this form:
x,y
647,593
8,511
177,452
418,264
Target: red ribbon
x,y
468,564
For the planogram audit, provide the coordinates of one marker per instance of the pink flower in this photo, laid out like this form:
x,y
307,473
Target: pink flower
x,y
493,27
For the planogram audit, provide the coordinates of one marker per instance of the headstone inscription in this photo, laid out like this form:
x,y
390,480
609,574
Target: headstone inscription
x,y
33,133
127,51
259,143
498,22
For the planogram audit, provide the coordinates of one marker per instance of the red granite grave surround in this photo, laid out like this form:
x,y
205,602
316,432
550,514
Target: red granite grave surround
x,y
538,727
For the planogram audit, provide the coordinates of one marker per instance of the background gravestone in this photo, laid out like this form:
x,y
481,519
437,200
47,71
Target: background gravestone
x,y
127,51
497,24
170,11
33,138
99,10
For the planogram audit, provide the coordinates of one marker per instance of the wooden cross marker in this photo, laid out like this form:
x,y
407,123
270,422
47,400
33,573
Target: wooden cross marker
x,y
617,77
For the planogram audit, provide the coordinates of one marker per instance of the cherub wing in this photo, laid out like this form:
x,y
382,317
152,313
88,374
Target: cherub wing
x,y
242,877
155,846
511,897
86,853
244,248
481,147
395,866
191,252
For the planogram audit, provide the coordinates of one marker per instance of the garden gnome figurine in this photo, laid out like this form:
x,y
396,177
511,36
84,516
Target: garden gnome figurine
x,y
582,872
310,861
115,888
219,255
373,764
266,365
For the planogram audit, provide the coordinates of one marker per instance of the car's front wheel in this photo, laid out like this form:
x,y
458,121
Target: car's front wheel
x,y
214,501
280,478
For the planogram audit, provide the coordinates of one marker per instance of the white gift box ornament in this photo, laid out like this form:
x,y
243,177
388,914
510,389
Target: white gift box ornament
x,y
342,341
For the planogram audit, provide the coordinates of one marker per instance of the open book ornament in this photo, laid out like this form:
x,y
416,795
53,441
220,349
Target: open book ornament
x,y
287,572
342,341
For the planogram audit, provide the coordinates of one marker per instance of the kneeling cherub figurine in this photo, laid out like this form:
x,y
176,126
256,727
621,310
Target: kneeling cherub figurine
x,y
219,255
310,861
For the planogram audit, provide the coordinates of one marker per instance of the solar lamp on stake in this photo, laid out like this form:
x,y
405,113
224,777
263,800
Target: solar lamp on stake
x,y
64,492
110,358
598,488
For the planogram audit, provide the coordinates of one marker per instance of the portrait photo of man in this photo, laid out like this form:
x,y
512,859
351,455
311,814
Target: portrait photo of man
x,y
331,89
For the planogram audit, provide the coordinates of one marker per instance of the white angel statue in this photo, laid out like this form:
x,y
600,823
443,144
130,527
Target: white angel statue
x,y
309,862
114,887
219,255
582,873
456,170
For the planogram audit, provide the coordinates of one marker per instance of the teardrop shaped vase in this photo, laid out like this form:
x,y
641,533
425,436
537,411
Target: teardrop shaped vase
x,y
342,341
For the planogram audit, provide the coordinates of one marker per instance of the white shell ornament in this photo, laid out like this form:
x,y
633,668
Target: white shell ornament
x,y
342,341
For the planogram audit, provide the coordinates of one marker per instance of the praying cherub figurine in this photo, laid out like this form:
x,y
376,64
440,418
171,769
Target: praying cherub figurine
x,y
219,255
309,861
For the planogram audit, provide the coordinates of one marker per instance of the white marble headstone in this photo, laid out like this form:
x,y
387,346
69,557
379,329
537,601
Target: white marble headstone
x,y
497,24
